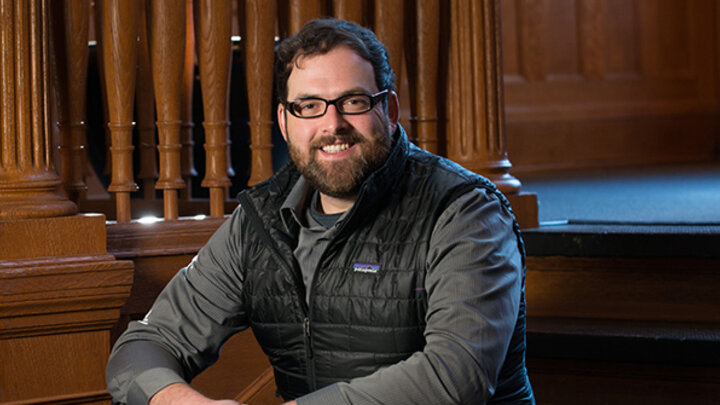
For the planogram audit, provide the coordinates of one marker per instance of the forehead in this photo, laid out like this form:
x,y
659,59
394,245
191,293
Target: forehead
x,y
331,74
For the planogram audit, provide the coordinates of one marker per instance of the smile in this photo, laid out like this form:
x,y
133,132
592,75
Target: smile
x,y
335,148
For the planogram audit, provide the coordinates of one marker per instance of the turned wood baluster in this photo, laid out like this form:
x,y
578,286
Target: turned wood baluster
x,y
476,137
97,18
389,17
302,11
145,111
167,25
58,92
73,87
260,43
213,20
423,74
187,162
119,34
350,10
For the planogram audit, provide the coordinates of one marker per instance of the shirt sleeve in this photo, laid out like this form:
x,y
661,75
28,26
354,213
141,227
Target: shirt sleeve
x,y
181,335
474,282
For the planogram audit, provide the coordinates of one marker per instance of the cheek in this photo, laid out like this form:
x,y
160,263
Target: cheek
x,y
297,133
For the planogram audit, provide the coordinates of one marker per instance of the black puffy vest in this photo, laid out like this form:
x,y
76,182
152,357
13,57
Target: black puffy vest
x,y
367,304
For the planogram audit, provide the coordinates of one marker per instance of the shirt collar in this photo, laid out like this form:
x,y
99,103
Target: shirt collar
x,y
293,207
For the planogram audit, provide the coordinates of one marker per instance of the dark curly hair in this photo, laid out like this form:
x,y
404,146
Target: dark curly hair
x,y
322,35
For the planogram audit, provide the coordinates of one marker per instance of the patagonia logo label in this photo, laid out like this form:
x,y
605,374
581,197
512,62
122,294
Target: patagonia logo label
x,y
366,268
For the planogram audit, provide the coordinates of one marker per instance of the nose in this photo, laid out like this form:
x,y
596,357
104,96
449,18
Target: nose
x,y
333,121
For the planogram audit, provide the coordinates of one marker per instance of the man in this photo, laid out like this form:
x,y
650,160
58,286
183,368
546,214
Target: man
x,y
371,272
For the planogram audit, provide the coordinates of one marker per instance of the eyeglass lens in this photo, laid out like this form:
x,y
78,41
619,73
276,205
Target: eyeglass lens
x,y
350,104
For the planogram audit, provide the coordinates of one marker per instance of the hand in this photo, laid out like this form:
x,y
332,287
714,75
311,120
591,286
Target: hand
x,y
184,394
290,403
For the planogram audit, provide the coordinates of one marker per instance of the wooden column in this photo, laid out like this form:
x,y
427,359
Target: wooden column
x,y
167,22
60,291
213,21
475,136
260,50
29,185
119,35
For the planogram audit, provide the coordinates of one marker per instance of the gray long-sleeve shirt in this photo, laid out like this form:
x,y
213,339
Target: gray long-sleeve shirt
x,y
474,281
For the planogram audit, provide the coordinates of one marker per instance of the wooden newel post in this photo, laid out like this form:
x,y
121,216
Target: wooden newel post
x,y
476,119
119,36
167,55
29,185
60,291
476,137
260,44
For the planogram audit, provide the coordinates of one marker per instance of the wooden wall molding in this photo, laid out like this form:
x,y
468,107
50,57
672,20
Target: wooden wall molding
x,y
62,295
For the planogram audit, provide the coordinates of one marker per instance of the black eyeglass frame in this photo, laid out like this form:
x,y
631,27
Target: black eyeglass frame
x,y
374,100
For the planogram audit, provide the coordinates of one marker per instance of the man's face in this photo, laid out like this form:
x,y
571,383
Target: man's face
x,y
337,152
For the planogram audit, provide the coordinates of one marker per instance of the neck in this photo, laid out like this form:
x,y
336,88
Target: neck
x,y
335,205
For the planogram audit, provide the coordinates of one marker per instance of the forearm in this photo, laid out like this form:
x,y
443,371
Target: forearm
x,y
184,394
188,323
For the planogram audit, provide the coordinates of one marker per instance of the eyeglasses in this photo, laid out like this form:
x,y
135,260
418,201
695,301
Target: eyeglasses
x,y
349,104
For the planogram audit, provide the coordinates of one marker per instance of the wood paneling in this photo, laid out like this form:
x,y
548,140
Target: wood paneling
x,y
60,295
51,366
593,83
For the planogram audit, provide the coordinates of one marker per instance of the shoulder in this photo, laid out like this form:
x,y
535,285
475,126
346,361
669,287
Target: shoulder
x,y
443,178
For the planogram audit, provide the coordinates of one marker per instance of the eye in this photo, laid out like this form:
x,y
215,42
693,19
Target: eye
x,y
356,102
308,107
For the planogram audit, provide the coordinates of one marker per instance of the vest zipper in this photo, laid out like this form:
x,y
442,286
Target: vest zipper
x,y
263,233
308,339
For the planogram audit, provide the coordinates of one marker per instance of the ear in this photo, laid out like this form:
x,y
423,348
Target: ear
x,y
393,110
281,120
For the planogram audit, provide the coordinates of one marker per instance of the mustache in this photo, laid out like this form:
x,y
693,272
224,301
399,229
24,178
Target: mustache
x,y
349,137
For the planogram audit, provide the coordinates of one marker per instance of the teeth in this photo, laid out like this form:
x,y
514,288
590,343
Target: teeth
x,y
335,148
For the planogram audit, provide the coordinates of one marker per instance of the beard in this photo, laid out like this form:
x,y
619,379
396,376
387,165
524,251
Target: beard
x,y
342,179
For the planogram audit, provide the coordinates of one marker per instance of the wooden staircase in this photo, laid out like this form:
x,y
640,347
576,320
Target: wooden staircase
x,y
624,314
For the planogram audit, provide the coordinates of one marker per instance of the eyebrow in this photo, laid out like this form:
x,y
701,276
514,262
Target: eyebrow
x,y
354,90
